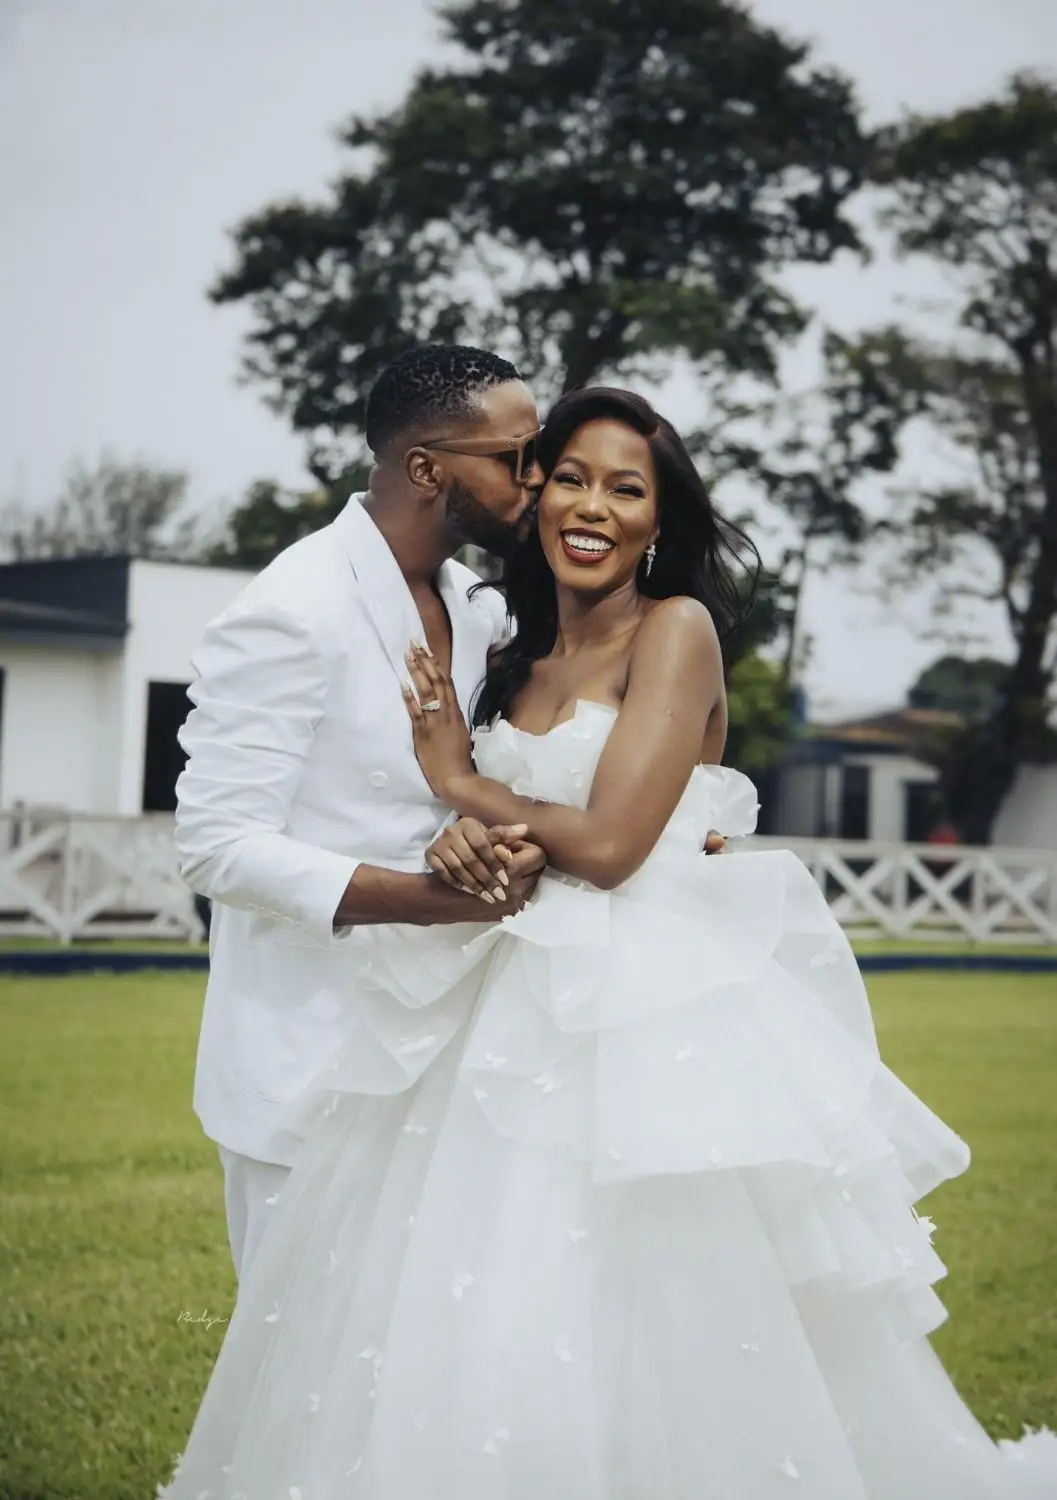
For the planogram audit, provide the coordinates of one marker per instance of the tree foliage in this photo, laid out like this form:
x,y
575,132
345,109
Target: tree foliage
x,y
758,706
817,450
981,533
127,509
590,189
270,518
955,685
977,191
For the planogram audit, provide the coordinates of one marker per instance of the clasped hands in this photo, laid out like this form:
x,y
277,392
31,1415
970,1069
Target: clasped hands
x,y
498,865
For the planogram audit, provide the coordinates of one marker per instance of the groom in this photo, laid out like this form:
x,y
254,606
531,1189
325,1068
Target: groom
x,y
302,812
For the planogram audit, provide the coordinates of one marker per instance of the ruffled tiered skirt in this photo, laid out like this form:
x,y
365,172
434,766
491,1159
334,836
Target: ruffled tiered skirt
x,y
612,1203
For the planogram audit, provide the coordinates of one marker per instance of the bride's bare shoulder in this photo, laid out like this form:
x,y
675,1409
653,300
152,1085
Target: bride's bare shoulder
x,y
680,622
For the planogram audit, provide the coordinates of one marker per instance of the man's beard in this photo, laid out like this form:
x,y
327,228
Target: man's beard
x,y
475,524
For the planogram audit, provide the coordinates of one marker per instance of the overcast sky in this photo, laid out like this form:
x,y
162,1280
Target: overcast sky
x,y
134,133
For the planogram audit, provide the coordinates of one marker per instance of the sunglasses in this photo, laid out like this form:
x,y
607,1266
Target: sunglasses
x,y
518,454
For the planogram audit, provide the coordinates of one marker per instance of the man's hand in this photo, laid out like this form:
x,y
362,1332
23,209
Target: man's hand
x,y
487,862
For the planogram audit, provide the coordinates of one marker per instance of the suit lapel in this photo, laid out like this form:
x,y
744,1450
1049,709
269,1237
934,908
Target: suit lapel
x,y
383,589
392,610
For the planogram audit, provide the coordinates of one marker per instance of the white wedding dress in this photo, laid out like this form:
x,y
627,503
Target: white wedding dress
x,y
611,1202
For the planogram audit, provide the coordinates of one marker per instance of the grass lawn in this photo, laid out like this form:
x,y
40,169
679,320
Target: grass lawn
x,y
954,948
112,1221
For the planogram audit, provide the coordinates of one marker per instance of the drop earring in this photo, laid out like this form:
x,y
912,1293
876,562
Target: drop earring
x,y
651,555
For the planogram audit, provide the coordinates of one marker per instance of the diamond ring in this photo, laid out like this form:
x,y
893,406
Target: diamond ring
x,y
432,707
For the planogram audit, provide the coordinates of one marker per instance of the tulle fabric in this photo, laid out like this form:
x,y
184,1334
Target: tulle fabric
x,y
611,1202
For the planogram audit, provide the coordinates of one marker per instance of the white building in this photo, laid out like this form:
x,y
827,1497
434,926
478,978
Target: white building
x,y
94,666
863,780
1028,817
858,780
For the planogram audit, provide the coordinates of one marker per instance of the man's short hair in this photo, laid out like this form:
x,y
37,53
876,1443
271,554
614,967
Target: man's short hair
x,y
428,388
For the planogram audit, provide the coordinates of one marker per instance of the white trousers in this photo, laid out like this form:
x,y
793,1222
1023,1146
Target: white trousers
x,y
248,1184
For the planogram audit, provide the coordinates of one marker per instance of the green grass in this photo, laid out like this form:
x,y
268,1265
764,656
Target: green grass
x,y
954,949
112,1223
112,1219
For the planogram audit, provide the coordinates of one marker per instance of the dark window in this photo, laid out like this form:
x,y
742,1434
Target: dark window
x,y
767,786
163,760
922,810
855,802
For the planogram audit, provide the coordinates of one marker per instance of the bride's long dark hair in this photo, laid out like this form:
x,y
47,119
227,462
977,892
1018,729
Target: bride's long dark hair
x,y
698,553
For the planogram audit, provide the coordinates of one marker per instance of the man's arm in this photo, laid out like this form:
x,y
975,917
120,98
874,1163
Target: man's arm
x,y
375,895
258,698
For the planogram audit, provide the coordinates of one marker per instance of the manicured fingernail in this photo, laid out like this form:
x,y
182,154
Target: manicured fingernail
x,y
499,893
486,897
503,877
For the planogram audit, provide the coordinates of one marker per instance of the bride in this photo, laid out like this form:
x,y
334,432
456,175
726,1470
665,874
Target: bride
x,y
612,1200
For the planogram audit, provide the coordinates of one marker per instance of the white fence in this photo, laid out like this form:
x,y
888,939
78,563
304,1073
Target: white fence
x,y
933,892
71,877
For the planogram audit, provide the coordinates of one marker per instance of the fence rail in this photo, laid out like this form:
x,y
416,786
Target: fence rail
x,y
933,892
71,877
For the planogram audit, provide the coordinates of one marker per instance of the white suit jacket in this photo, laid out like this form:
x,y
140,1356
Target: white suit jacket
x,y
301,766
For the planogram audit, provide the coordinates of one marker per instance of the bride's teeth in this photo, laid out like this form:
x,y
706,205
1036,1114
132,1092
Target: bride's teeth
x,y
589,544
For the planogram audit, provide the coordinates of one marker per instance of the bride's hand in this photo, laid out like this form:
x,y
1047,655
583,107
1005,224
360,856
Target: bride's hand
x,y
472,858
442,740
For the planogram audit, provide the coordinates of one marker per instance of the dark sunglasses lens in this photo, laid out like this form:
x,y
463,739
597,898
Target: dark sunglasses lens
x,y
520,465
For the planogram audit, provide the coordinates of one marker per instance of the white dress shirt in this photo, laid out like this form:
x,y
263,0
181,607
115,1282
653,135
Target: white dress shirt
x,y
301,766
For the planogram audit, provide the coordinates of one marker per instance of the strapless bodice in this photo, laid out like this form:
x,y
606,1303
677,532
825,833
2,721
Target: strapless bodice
x,y
559,766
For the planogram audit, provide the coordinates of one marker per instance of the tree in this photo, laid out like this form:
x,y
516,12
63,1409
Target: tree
x,y
758,709
593,189
977,191
127,509
820,446
986,534
271,518
970,689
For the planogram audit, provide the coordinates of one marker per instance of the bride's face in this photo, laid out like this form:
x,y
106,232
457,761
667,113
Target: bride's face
x,y
598,509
